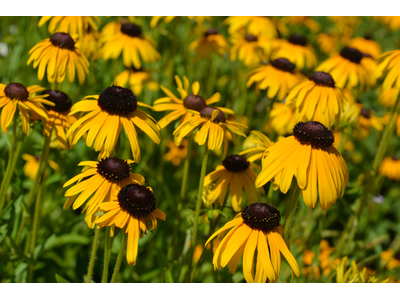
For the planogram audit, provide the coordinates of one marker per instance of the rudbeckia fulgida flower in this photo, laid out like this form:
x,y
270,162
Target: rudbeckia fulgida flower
x,y
236,173
114,108
308,154
16,95
251,49
134,207
261,143
256,227
390,168
210,41
98,182
388,67
254,25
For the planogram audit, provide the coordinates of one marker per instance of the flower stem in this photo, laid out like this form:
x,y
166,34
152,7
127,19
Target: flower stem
x,y
93,254
351,226
184,185
119,258
292,205
35,225
107,250
16,145
198,205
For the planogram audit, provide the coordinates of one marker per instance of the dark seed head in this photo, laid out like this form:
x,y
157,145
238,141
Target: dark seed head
x,y
62,40
16,91
235,163
261,216
113,169
283,64
117,100
210,31
322,78
351,54
365,112
137,200
194,102
250,38
297,39
61,100
314,134
208,111
131,29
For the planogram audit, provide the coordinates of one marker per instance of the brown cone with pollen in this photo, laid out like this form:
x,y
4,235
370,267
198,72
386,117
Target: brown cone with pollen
x,y
16,91
208,111
323,79
261,216
194,102
117,100
314,134
283,64
62,40
137,200
113,169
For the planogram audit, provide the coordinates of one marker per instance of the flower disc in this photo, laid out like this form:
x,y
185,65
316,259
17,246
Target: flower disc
x,y
283,64
322,78
351,54
194,102
137,200
208,111
16,91
113,169
117,100
261,216
62,40
61,100
131,30
314,134
235,163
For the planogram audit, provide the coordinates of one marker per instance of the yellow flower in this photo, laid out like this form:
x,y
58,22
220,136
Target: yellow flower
x,y
187,101
235,173
90,44
297,50
388,97
388,68
137,80
256,227
108,112
259,144
128,39
328,43
31,166
347,70
282,118
317,98
214,129
210,41
176,153
58,118
392,261
278,77
61,57
390,168
366,45
71,24
392,21
309,155
135,205
250,49
366,120
255,26
15,95
98,182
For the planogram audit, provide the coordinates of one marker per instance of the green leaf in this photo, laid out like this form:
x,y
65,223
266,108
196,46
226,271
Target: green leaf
x,y
221,213
168,277
59,279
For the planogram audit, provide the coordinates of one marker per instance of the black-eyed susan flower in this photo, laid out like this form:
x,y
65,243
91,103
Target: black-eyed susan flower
x,y
282,118
98,183
297,50
320,170
60,56
277,78
70,24
251,49
137,79
58,116
317,98
366,121
236,173
256,227
135,205
15,95
130,40
214,129
254,25
31,166
390,168
347,70
366,45
388,97
257,144
90,44
328,43
391,259
114,108
393,22
210,41
176,153
188,101
388,68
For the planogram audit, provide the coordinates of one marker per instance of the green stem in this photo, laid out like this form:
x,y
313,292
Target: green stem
x,y
93,254
16,145
184,185
290,210
198,205
351,226
119,259
36,218
107,250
